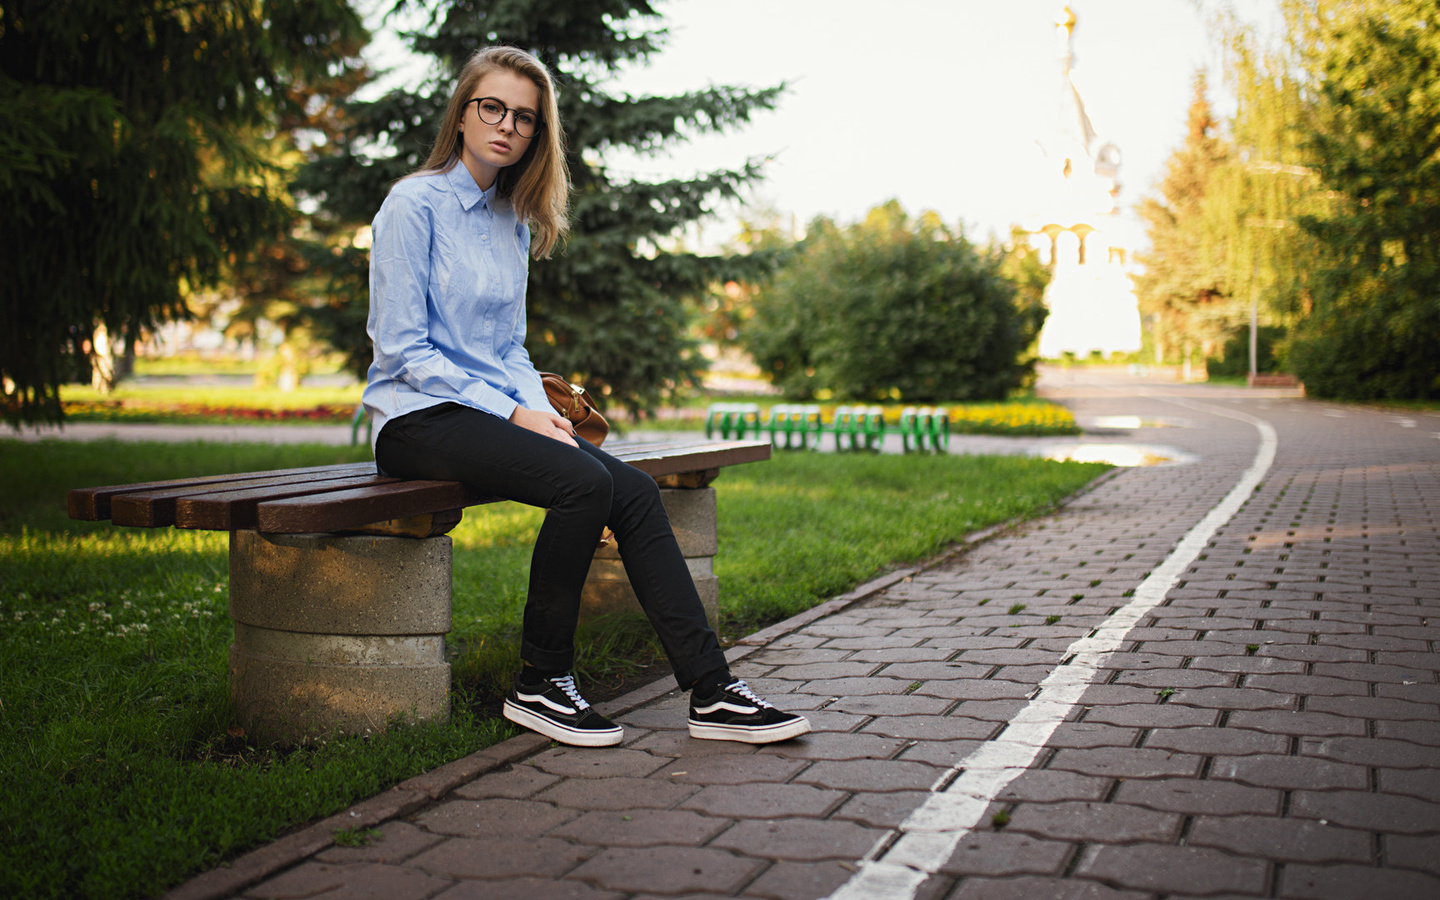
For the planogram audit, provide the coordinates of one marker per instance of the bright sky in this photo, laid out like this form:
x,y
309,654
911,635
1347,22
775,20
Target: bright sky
x,y
936,103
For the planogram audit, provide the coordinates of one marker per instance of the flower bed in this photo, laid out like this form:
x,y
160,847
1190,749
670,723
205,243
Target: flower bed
x,y
200,413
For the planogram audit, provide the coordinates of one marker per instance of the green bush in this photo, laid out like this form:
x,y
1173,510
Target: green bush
x,y
898,309
1235,358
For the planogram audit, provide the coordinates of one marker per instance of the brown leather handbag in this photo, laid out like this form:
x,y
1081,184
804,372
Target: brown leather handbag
x,y
571,401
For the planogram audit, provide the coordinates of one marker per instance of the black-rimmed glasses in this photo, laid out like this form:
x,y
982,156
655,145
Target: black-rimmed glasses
x,y
493,112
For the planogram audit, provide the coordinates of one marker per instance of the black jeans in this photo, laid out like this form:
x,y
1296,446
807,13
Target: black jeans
x,y
583,490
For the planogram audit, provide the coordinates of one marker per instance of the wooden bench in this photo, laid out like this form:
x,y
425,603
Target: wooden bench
x,y
340,588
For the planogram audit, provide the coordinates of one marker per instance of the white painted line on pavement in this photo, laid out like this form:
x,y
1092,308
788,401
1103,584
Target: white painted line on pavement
x,y
902,860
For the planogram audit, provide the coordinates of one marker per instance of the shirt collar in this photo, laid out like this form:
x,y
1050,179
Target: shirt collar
x,y
467,191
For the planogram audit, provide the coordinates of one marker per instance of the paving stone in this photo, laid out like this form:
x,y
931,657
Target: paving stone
x,y
990,710
1299,724
1372,672
732,769
1040,888
1001,853
1083,821
797,656
1092,734
679,744
667,870
616,793
1357,882
396,841
764,801
833,746
1217,741
1427,733
1126,762
851,687
1152,715
808,840
1186,871
906,705
642,828
1174,679
976,689
1411,852
1375,708
1049,786
939,753
1309,685
492,858
1423,784
827,670
527,889
913,653
1252,665
365,881
1387,813
1290,772
870,775
1282,840
800,880
517,781
829,719
932,728
885,809
912,672
1233,699
493,818
1193,796
1370,751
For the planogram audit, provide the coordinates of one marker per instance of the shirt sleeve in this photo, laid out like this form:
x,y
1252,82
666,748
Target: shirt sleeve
x,y
517,358
399,317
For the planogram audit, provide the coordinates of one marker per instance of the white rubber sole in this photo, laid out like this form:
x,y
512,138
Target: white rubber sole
x,y
768,734
575,737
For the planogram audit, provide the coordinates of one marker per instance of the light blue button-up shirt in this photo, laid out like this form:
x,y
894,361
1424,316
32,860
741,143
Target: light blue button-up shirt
x,y
448,268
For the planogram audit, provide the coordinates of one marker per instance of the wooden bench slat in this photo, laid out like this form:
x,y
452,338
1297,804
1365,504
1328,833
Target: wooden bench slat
x,y
348,496
154,508
340,510
93,504
233,510
673,458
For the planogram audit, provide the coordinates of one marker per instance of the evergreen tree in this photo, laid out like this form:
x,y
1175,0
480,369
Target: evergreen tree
x,y
1374,327
1182,290
608,309
128,156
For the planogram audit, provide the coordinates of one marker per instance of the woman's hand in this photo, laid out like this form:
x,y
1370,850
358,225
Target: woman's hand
x,y
546,423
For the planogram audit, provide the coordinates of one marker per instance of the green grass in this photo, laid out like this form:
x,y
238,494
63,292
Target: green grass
x,y
120,767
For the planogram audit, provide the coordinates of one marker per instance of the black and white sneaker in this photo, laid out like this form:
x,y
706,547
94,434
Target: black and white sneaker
x,y
736,714
555,708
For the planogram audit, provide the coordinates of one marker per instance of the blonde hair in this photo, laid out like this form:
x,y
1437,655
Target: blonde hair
x,y
539,184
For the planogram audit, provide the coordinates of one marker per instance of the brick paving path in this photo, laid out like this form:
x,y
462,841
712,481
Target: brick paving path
x,y
1270,726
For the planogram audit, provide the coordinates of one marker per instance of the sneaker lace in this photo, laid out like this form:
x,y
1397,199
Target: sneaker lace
x,y
566,683
740,687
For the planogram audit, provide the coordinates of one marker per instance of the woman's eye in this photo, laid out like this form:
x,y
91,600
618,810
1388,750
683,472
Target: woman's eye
x,y
525,119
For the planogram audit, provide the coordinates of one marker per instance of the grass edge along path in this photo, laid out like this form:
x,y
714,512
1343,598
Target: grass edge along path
x,y
121,771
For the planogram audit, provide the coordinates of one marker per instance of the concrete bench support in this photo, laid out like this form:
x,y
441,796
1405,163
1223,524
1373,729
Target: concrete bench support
x,y
337,633
692,518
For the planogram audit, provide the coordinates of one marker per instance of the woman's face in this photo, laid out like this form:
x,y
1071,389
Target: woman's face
x,y
485,149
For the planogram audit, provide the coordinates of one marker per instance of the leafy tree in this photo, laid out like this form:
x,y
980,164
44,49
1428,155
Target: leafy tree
x,y
128,155
1182,290
1374,327
608,309
895,308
